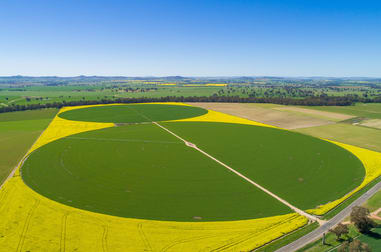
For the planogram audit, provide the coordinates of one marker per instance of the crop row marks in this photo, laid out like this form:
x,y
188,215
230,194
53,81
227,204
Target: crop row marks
x,y
104,238
144,237
235,241
187,240
4,195
63,233
26,225
123,140
227,244
247,236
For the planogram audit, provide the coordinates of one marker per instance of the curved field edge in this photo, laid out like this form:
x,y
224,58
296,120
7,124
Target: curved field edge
x,y
370,159
179,182
31,220
372,163
35,223
133,113
301,162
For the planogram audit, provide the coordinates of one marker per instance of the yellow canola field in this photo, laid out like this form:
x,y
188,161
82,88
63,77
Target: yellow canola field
x,y
35,223
60,128
206,85
216,85
214,116
31,222
372,163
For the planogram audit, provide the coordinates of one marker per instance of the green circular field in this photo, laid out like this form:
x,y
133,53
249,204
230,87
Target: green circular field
x,y
133,113
142,171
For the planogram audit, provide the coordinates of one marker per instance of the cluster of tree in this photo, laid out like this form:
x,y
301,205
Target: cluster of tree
x,y
339,230
16,89
354,246
310,101
28,99
360,218
56,83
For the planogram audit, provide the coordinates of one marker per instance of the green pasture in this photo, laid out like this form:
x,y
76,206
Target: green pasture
x,y
374,202
28,115
141,171
46,94
360,136
373,239
303,170
368,110
32,94
330,242
133,113
18,131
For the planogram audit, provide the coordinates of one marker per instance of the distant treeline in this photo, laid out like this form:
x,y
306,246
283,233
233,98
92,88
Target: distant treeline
x,y
309,101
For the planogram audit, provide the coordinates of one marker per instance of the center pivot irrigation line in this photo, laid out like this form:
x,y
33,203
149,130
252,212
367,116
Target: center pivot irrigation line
x,y
299,211
123,140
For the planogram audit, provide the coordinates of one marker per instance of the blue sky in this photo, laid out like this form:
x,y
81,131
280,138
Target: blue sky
x,y
191,38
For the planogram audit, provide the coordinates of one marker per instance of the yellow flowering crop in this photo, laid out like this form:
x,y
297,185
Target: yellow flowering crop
x,y
60,128
214,116
206,85
216,85
35,223
31,222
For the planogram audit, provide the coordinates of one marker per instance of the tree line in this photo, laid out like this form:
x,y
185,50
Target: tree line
x,y
308,101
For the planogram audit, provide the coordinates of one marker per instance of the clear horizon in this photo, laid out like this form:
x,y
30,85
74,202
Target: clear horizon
x,y
211,38
185,76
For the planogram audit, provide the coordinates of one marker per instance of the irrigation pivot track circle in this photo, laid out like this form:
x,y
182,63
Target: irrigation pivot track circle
x,y
140,170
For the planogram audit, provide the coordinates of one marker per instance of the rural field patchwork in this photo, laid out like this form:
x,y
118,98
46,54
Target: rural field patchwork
x,y
112,180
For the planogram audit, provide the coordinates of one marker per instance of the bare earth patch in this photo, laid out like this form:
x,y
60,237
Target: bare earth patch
x,y
376,214
373,123
328,115
268,115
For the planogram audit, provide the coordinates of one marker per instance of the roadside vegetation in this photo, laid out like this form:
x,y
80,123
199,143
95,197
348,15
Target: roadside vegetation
x,y
361,232
277,244
374,202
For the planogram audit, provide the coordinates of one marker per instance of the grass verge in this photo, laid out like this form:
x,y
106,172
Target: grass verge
x,y
330,241
288,238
